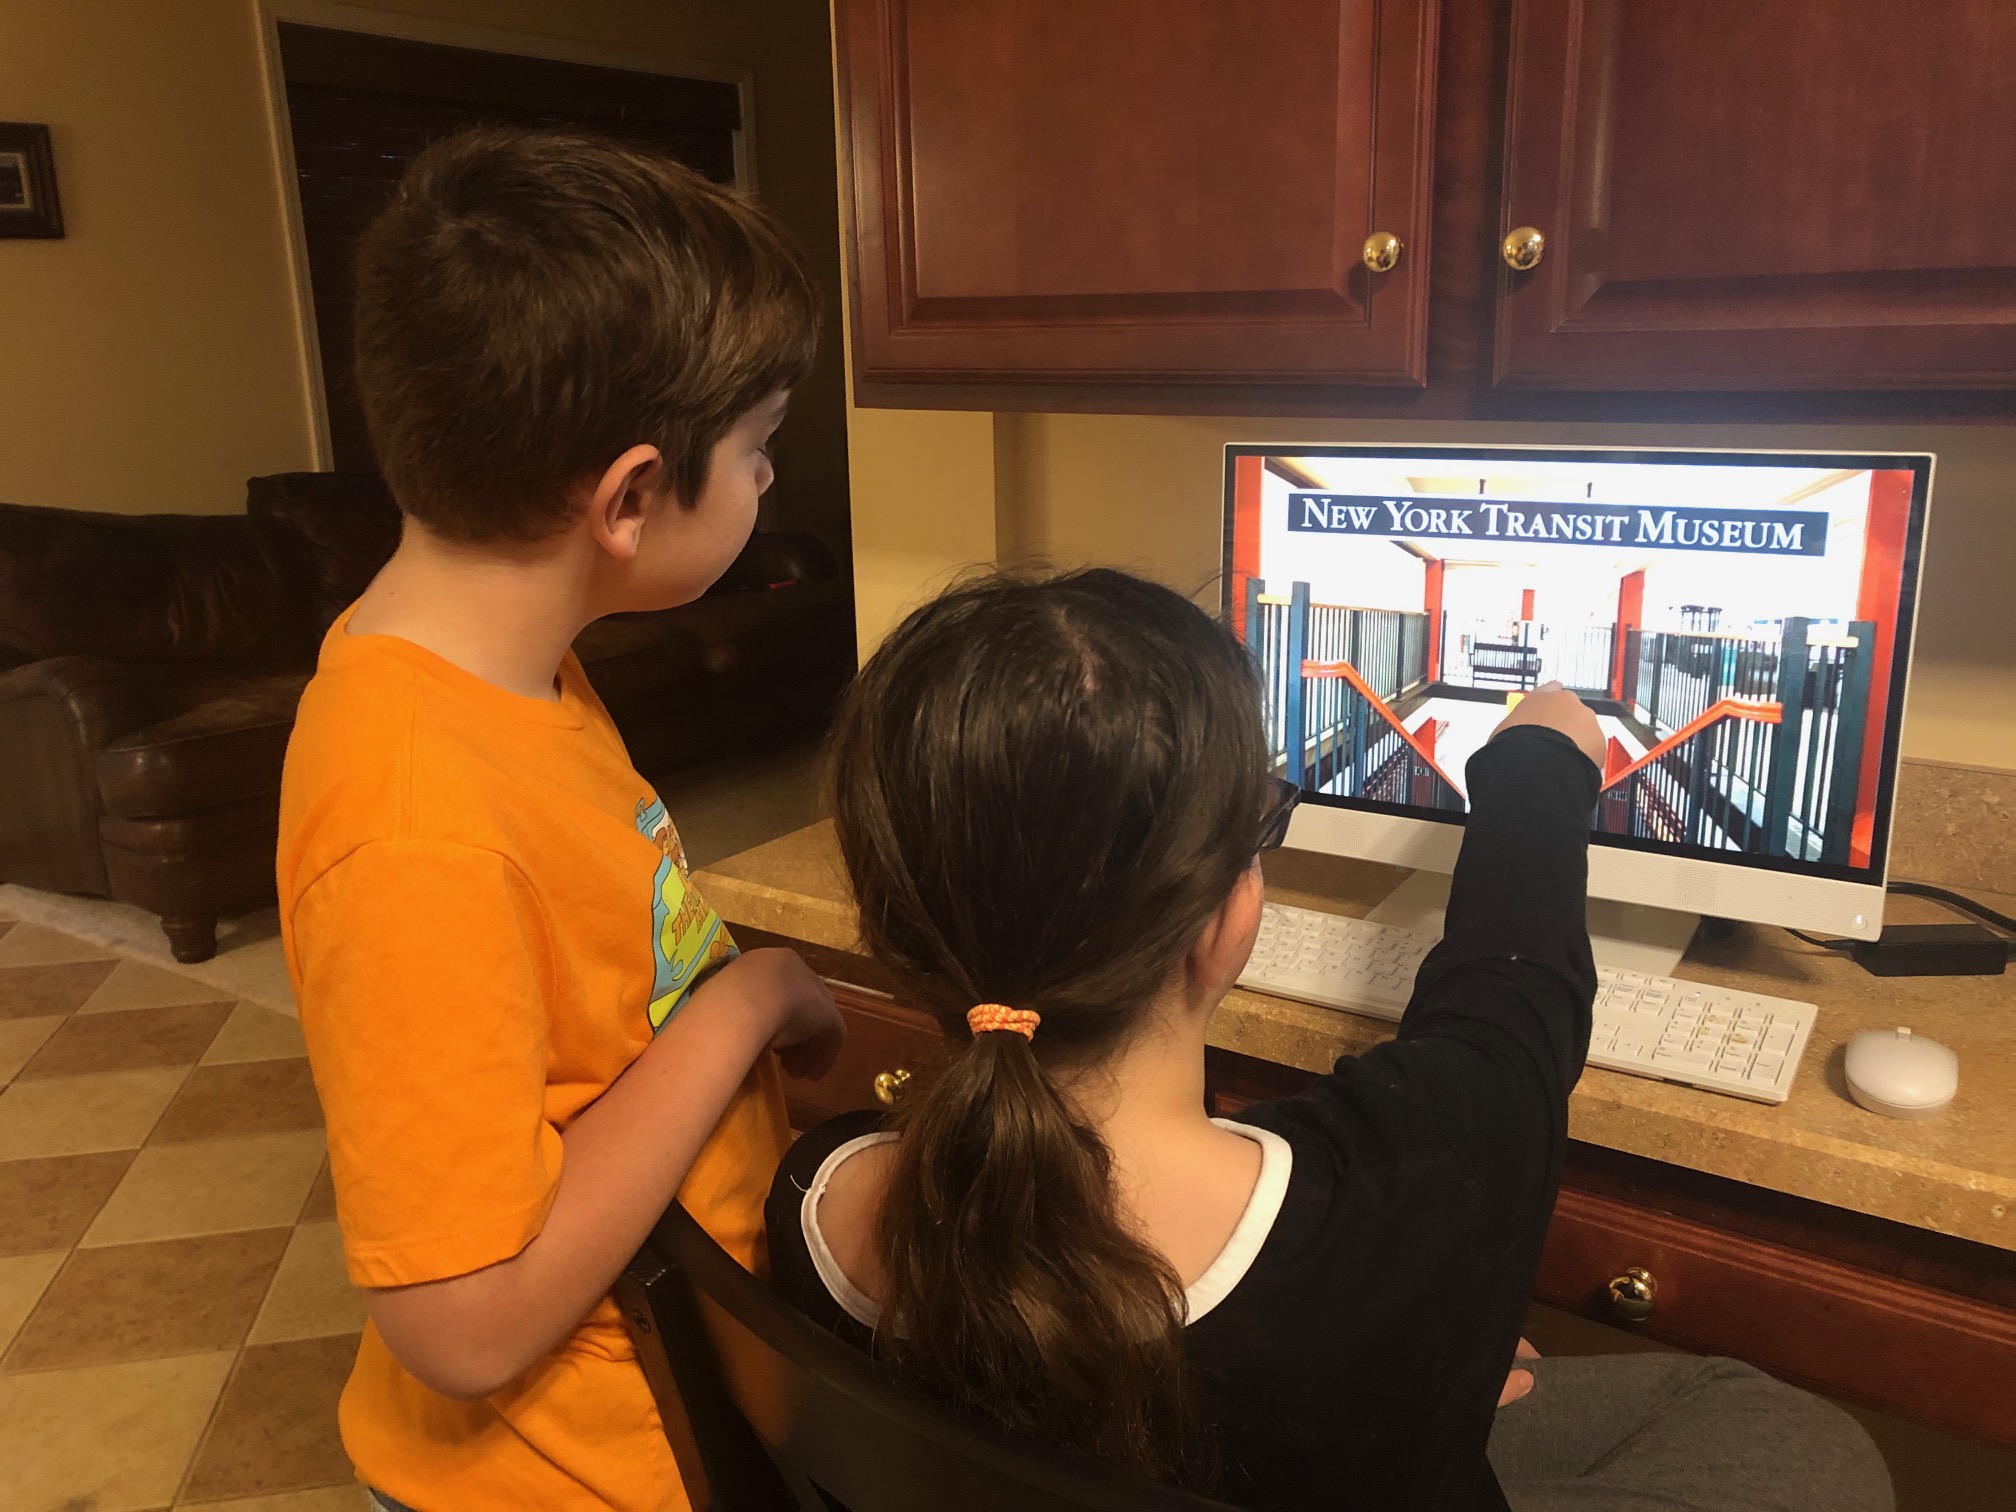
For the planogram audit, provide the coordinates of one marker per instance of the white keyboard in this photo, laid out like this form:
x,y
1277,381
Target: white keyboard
x,y
1690,1032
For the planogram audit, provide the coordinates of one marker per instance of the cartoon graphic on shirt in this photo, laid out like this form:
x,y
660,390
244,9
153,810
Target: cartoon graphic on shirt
x,y
688,939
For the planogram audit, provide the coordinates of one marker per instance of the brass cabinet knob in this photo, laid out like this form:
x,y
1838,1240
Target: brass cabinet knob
x,y
889,1086
1523,249
1634,1294
1382,251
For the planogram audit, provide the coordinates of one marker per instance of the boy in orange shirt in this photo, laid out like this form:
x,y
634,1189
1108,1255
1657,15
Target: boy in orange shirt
x,y
527,1028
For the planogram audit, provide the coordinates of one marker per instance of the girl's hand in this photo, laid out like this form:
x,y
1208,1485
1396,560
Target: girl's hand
x,y
1518,1382
1554,707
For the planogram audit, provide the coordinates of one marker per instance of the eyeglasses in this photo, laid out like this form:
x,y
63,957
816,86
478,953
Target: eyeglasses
x,y
1280,808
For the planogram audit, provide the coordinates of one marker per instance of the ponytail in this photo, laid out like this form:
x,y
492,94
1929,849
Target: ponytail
x,y
1042,791
1011,1287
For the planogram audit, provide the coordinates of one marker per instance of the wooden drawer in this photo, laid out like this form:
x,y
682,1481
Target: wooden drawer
x,y
1942,1359
882,1034
882,1037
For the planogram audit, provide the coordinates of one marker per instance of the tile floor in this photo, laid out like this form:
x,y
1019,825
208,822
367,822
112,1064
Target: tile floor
x,y
175,1324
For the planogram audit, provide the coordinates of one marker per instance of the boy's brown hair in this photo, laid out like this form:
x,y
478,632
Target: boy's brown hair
x,y
533,303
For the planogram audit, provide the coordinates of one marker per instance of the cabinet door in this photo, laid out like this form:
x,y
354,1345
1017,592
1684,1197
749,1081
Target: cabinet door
x,y
1049,190
1762,194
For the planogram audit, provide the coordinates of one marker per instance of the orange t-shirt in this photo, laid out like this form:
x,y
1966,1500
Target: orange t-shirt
x,y
487,916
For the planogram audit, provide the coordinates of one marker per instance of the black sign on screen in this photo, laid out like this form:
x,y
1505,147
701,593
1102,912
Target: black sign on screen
x,y
1746,532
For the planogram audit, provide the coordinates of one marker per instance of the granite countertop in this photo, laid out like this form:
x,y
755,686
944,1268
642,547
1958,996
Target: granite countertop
x,y
1955,1174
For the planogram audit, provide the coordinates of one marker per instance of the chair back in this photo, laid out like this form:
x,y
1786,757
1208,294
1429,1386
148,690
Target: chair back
x,y
767,1412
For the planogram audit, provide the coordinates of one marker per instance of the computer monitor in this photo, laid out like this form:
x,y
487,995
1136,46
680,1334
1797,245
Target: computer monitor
x,y
1740,621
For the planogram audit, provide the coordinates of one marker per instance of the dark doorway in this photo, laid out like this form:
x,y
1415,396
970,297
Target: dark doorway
x,y
359,107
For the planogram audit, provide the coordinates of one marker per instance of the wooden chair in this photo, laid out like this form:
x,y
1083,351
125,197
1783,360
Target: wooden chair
x,y
767,1412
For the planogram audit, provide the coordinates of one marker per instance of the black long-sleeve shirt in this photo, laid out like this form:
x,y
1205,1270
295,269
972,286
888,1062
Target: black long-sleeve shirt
x,y
1357,1361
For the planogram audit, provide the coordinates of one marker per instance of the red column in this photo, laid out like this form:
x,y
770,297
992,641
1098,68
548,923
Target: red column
x,y
1424,736
1876,599
1630,615
1526,604
1431,601
1246,475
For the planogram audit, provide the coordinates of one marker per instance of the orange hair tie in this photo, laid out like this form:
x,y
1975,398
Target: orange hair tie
x,y
985,1017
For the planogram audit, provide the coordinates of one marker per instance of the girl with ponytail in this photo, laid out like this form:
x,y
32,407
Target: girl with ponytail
x,y
1050,796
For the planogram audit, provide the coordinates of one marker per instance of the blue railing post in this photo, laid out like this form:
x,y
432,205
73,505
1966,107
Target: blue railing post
x,y
1254,631
1778,794
1850,730
1658,643
1294,730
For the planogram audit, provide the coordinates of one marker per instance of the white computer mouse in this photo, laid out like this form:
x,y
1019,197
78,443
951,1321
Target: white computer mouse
x,y
1901,1074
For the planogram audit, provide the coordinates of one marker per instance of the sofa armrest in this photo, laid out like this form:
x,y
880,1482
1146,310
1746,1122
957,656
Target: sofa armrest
x,y
55,715
779,556
100,699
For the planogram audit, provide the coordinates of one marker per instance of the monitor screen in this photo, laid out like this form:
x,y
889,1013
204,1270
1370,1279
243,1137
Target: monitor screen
x,y
1740,622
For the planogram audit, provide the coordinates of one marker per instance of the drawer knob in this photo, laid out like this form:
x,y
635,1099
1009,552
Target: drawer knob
x,y
1634,1294
1523,249
1382,251
889,1086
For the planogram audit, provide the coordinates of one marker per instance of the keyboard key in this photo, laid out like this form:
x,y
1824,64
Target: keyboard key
x,y
1699,1059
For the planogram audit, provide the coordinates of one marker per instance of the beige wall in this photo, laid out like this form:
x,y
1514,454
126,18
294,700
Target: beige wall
x,y
930,512
152,359
1144,492
149,359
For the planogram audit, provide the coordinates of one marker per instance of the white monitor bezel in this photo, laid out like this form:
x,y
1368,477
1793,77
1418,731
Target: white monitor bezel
x,y
1692,884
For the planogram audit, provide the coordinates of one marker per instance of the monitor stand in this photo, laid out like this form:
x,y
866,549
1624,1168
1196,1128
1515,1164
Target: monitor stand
x,y
1623,936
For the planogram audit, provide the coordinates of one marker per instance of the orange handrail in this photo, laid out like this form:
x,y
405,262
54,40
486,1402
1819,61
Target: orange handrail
x,y
1351,675
1729,708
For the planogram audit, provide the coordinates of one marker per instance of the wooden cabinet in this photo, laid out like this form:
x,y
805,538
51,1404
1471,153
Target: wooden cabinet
x,y
1787,194
1161,204
1126,189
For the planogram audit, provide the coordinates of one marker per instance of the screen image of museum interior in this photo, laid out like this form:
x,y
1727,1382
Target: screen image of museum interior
x,y
1733,626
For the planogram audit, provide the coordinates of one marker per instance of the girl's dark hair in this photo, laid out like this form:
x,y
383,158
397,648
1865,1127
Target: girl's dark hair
x,y
1043,789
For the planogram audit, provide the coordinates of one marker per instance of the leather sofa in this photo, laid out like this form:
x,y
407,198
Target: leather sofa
x,y
150,667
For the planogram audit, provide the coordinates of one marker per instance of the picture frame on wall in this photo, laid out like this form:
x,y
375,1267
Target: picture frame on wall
x,y
28,202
